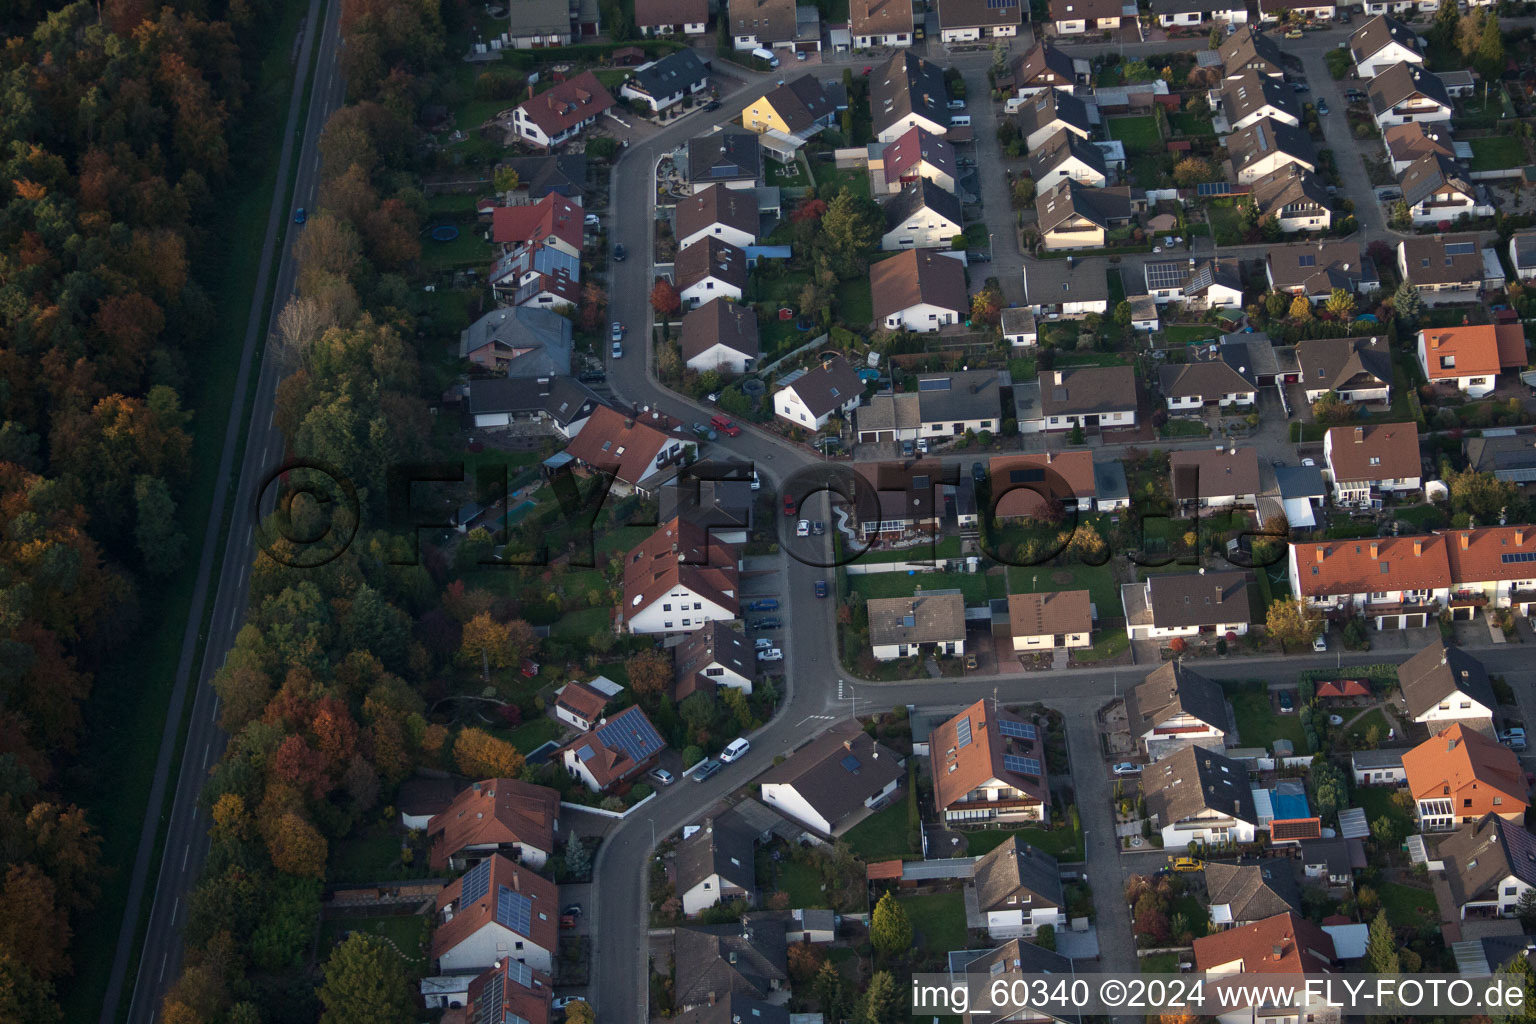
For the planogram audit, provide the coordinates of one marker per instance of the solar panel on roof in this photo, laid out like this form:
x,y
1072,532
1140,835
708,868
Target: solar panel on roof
x,y
1518,556
963,732
514,910
632,734
851,765
1022,765
1214,188
1024,476
1166,274
584,751
520,972
1460,248
491,998
477,883
934,384
1021,730
1308,260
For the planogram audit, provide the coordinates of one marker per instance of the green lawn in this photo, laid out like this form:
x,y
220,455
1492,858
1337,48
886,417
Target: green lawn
x,y
1497,152
1407,906
1226,223
1259,726
1377,801
1186,334
373,857
938,920
407,935
1189,124
1160,963
946,547
1198,917
900,584
802,882
855,304
1138,133
830,180
469,248
1111,643
1376,718
1099,580
581,623
533,733
786,175
882,835
1179,426
1062,843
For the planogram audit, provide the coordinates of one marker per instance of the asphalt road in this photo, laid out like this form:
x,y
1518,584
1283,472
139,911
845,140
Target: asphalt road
x,y
186,836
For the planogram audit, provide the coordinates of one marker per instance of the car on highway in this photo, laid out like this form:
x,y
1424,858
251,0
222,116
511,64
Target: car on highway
x,y
617,351
662,777
1126,768
821,588
767,623
803,528
735,750
619,254
707,770
725,425
771,654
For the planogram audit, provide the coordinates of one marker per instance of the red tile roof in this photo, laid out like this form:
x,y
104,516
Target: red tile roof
x,y
1303,947
582,700
960,766
517,1001
495,811
468,919
567,103
1466,762
611,765
553,217
1342,688
1065,475
613,443
681,553
1355,566
1478,556
1476,350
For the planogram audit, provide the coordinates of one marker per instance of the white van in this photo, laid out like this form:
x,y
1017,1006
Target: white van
x,y
959,120
765,55
736,751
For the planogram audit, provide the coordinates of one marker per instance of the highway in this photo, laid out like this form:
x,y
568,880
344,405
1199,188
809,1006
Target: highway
x,y
186,835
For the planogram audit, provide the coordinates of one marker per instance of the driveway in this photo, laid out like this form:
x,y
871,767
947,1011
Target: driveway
x,y
1090,778
1354,182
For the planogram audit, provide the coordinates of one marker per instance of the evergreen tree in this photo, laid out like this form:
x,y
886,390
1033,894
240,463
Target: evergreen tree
x,y
831,995
1490,49
365,983
1381,946
578,862
1407,304
889,930
1446,17
882,1000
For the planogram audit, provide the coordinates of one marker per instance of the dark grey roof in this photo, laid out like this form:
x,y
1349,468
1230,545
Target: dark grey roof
x,y
1525,249
730,155
1301,481
1333,852
1191,6
1205,379
1252,355
563,399
1401,81
538,18
676,72
1253,891
1438,672
721,847
719,322
1266,136
1196,780
922,194
1013,866
746,958
1378,33
838,771
771,21
1342,363
736,1009
1479,857
1061,147
544,333
1252,91
710,257
1512,458
714,643
1068,199
827,386
802,102
1109,482
934,616
1171,690
1287,186
961,395
1191,599
907,84
1043,108
1390,758
1054,282
1429,173
1085,390
978,13
1017,956
563,173
1043,57
726,504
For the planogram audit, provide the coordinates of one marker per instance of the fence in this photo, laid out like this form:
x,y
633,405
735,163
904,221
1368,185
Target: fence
x,y
616,815
817,342
865,568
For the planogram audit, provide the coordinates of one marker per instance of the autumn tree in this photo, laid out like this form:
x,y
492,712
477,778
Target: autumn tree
x,y
986,307
505,179
366,983
1192,171
580,1013
486,644
480,755
296,847
1329,408
593,308
650,673
1341,304
1484,498
1301,308
1293,621
664,298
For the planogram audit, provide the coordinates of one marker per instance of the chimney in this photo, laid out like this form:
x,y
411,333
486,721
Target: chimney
x,y
1418,548
1049,458
1434,341
1218,593
1359,435
1059,376
1320,552
1375,549
1466,538
628,423
1519,536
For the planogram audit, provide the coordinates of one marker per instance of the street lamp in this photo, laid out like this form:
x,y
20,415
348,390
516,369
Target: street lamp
x,y
652,823
990,253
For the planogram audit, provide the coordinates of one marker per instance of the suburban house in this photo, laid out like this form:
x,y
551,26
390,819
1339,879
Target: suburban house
x,y
579,705
1075,17
1186,13
1458,776
1252,355
1511,459
515,819
967,21
729,214
833,782
1190,387
921,216
1356,369
1248,49
1215,479
1044,67
1446,268
536,275
1367,462
1199,795
715,865
679,578
672,17
735,1008
1268,145
1315,269
1019,889
769,24
560,404
1023,484
1493,564
1077,216
539,23
920,291
1488,866
719,335
717,496
635,452
799,107
1294,197
906,627
724,962
1406,92
1238,895
561,173
496,911
1196,283
561,112
1470,359
1271,11
732,157
1174,708
553,221
1407,143
1067,155
1437,190
509,991
874,23
1286,945
1329,862
1522,254
919,155
1086,397
908,92
1071,287
903,500
1054,620
663,83
1251,96
989,765
830,389
1048,112
522,341
1443,686
1403,6
944,405
1377,767
1382,42
1167,605
712,656
1016,956
1399,582
710,268
614,754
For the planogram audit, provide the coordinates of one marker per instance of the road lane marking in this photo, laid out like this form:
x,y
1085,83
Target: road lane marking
x,y
206,751
187,851
163,959
175,909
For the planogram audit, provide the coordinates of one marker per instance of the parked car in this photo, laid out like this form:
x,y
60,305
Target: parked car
x,y
662,777
906,449
1126,768
561,1002
299,216
970,661
616,332
818,528
619,254
1322,108
803,528
757,484
789,505
762,643
978,472
573,909
922,445
768,623
725,425
955,104
591,220
735,750
618,350
1287,705
709,769
1513,738
1300,86
1294,33
711,106
763,604
771,654
1186,863
821,588
1320,643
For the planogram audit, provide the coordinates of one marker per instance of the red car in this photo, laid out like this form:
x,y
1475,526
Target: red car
x,y
725,426
789,505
